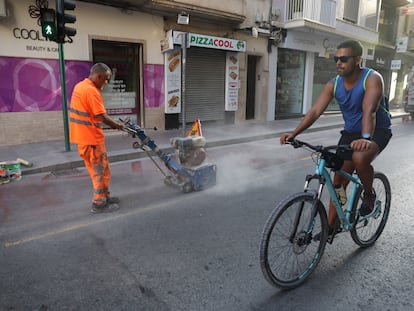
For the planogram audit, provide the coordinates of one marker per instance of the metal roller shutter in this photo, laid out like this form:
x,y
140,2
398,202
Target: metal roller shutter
x,y
205,84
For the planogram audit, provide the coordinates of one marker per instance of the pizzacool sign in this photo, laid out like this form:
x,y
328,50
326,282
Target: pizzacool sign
x,y
211,42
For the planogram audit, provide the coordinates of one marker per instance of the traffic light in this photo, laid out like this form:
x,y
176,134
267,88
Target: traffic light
x,y
48,23
63,19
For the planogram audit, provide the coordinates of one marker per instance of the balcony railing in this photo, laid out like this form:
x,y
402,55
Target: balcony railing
x,y
320,11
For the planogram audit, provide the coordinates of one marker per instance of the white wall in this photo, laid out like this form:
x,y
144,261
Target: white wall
x,y
92,20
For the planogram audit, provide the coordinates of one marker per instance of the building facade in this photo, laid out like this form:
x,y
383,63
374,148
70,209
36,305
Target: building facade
x,y
220,61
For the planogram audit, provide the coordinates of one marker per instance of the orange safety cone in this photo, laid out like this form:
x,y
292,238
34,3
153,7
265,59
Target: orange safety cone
x,y
195,129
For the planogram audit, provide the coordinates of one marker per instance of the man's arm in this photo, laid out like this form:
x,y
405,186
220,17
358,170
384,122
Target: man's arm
x,y
373,93
110,122
313,114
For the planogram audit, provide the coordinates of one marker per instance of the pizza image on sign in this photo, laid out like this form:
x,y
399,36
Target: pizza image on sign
x,y
173,101
233,75
173,64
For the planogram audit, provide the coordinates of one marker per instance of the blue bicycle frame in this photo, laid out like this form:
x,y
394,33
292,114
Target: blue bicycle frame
x,y
324,177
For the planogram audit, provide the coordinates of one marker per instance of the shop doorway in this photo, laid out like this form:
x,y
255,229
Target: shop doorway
x,y
251,87
122,95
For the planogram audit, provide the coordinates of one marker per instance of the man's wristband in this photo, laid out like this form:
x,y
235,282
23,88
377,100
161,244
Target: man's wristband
x,y
366,136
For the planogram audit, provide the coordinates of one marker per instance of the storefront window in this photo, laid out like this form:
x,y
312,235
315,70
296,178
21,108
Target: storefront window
x,y
289,85
121,93
325,70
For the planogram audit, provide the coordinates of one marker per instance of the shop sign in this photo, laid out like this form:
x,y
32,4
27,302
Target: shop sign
x,y
329,46
167,43
407,11
211,42
402,43
232,81
396,64
370,53
173,81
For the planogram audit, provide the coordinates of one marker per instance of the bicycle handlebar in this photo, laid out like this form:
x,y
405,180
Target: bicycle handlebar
x,y
318,148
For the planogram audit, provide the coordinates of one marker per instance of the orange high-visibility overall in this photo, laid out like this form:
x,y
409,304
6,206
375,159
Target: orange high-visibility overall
x,y
97,164
86,131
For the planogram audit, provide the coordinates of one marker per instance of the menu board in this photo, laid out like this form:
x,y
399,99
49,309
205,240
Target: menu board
x,y
232,81
173,81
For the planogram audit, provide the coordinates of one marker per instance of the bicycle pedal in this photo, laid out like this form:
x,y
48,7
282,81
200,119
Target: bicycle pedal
x,y
330,238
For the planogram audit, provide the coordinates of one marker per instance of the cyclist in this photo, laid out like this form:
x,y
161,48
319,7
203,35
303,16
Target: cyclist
x,y
367,128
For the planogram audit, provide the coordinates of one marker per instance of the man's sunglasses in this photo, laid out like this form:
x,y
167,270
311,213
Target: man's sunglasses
x,y
343,59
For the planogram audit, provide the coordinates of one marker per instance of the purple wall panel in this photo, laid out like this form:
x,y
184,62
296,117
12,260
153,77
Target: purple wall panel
x,y
34,84
153,86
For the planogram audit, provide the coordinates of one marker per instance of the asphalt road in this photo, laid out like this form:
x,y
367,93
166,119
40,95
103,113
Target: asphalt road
x,y
165,250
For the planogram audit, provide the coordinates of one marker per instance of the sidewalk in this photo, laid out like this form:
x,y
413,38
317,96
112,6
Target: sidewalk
x,y
51,155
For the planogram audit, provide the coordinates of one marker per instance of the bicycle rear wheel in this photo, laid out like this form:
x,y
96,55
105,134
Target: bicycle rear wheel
x,y
367,231
288,255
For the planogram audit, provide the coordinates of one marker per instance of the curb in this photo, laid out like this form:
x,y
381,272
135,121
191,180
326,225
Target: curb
x,y
139,153
131,154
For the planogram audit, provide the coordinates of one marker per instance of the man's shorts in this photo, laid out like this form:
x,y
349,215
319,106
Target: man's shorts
x,y
381,137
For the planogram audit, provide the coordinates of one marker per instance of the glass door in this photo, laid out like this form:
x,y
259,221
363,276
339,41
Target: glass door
x,y
324,71
289,83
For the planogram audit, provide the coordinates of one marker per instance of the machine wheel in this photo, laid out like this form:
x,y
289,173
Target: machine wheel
x,y
187,187
168,180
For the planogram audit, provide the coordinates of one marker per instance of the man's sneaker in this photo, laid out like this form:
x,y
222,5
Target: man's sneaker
x,y
104,207
111,200
368,204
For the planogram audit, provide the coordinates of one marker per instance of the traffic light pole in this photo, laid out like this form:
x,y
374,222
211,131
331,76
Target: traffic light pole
x,y
184,43
61,33
64,100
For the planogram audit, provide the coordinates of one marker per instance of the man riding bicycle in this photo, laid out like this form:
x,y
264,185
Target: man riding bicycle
x,y
367,128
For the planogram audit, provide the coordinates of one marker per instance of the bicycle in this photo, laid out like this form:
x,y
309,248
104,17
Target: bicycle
x,y
289,252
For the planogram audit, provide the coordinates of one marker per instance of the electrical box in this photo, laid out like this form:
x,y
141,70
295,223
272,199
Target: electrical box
x,y
3,9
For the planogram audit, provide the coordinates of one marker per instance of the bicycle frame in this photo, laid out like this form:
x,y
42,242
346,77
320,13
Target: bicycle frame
x,y
324,177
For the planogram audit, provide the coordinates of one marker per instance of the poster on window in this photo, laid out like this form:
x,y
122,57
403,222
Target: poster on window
x,y
118,94
232,81
173,81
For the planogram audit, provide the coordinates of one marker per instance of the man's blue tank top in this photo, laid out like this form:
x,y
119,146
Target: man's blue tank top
x,y
350,103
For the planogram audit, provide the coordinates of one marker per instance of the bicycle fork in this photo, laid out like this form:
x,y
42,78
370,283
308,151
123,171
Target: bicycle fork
x,y
317,195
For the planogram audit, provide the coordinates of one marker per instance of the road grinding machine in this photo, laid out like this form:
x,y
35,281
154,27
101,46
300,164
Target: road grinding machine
x,y
189,172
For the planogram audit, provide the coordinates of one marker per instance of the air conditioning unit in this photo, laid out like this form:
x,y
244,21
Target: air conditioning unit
x,y
3,9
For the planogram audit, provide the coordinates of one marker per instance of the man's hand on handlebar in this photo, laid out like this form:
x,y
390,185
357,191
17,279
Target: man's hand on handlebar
x,y
361,145
286,137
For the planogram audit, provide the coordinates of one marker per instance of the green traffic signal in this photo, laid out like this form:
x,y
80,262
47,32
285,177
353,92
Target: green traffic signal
x,y
48,23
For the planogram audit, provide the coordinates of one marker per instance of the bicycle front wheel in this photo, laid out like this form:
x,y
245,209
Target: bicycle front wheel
x,y
367,230
288,254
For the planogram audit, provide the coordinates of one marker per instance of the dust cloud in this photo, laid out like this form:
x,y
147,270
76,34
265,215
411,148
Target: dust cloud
x,y
240,172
